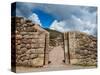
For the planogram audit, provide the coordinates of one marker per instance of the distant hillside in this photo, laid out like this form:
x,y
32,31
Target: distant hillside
x,y
56,37
53,33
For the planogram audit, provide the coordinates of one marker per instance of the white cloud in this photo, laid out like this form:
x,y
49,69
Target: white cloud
x,y
80,18
86,26
75,19
74,24
35,19
57,25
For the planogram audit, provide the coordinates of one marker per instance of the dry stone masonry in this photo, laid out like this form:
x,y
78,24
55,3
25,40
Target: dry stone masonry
x,y
80,48
31,43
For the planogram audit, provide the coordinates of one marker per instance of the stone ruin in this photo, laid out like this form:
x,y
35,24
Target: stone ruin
x,y
80,49
30,43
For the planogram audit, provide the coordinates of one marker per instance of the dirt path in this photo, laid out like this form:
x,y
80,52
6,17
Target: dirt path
x,y
56,56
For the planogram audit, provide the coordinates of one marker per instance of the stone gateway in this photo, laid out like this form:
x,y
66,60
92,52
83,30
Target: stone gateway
x,y
31,47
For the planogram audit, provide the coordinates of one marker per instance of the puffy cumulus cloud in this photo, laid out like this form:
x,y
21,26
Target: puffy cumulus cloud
x,y
25,10
58,25
72,18
86,26
61,26
84,20
80,18
75,24
68,17
35,19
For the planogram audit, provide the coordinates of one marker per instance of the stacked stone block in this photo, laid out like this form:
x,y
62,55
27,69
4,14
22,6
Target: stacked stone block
x,y
31,43
82,48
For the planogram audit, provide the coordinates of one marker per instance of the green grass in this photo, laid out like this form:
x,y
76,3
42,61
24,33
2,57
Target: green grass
x,y
86,65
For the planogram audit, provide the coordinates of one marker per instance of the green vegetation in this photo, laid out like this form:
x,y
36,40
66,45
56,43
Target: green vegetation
x,y
53,36
53,33
85,65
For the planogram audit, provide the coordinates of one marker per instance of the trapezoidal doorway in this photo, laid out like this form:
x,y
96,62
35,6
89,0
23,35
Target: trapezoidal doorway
x,y
57,53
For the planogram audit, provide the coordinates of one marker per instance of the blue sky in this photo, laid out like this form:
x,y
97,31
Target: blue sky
x,y
45,18
60,17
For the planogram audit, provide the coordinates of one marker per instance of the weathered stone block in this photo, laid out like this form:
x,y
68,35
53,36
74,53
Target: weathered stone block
x,y
18,42
27,36
23,33
34,41
37,45
23,45
24,25
22,21
73,61
18,36
18,47
24,41
18,24
41,40
37,62
32,51
28,46
32,56
23,50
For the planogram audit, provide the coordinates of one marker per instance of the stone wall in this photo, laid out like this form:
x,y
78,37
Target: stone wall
x,y
31,43
80,48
